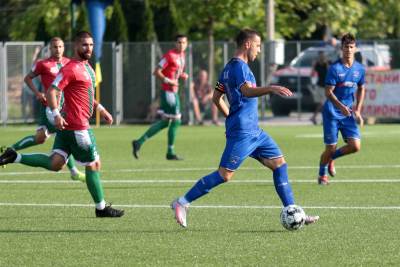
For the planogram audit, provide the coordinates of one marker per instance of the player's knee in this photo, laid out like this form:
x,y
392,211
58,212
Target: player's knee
x,y
278,162
40,138
227,175
95,166
356,148
57,162
330,150
57,165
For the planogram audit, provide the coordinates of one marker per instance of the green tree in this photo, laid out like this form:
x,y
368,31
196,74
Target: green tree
x,y
55,16
300,19
82,21
116,29
216,17
139,18
380,20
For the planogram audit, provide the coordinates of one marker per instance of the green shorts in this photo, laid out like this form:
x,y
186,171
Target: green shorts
x,y
81,144
44,123
170,106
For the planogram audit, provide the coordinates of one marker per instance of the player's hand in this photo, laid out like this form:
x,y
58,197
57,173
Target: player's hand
x,y
280,90
173,82
184,76
60,123
359,118
42,98
106,116
345,111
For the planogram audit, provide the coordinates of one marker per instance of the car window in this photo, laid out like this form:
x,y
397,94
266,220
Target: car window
x,y
308,58
369,58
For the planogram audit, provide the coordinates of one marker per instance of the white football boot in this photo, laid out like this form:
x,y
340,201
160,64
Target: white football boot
x,y
180,212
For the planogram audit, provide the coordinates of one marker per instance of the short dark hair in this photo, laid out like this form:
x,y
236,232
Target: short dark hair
x,y
82,34
179,36
348,38
55,39
244,35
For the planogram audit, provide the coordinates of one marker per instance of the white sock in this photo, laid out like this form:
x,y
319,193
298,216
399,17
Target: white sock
x,y
183,202
74,171
18,158
101,205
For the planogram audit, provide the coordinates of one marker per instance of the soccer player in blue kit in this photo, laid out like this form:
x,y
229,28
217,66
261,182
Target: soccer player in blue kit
x,y
344,82
244,138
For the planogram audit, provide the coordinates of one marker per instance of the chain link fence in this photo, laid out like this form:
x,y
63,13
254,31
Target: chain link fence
x,y
131,92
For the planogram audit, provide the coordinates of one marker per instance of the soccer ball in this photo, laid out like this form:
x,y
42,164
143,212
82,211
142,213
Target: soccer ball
x,y
293,217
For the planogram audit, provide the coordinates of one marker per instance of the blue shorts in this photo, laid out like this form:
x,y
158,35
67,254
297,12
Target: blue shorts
x,y
347,127
238,148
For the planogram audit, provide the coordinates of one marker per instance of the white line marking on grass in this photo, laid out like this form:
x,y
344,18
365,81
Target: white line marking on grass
x,y
147,170
145,206
165,181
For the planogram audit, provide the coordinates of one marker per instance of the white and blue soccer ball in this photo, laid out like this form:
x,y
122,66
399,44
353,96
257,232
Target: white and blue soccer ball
x,y
293,217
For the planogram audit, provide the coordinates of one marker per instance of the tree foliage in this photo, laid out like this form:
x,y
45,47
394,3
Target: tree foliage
x,y
307,16
380,20
116,29
53,13
221,19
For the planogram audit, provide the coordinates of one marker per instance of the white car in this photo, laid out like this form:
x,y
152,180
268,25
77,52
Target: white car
x,y
299,77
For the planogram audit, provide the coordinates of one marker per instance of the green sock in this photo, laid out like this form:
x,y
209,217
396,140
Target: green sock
x,y
36,160
24,142
94,185
172,131
155,128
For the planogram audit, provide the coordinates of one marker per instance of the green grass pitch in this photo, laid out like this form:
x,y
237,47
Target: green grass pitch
x,y
48,220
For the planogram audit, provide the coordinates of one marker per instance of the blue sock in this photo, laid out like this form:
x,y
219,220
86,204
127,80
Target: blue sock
x,y
203,186
337,154
323,169
282,185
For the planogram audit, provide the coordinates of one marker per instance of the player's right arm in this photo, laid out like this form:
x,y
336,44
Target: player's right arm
x,y
61,81
331,96
160,67
219,100
28,80
52,102
330,84
158,73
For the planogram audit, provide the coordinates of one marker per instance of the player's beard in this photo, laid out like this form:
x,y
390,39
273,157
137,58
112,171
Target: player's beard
x,y
85,56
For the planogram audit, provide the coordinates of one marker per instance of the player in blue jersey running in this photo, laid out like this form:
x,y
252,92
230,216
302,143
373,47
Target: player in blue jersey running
x,y
244,138
344,82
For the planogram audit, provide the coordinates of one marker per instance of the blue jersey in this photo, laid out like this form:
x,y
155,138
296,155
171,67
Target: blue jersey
x,y
346,81
243,111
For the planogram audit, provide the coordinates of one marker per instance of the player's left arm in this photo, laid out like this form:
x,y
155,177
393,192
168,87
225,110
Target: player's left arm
x,y
249,91
360,94
103,112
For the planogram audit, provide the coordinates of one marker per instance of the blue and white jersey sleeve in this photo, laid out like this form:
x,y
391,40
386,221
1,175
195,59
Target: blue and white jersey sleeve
x,y
243,113
331,77
362,77
240,74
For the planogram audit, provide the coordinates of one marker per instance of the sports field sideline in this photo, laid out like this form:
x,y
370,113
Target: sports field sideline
x,y
46,219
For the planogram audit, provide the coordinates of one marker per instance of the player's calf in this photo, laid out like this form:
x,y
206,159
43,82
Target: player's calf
x,y
331,168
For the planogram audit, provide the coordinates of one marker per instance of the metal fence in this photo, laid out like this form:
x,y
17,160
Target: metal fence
x,y
130,91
